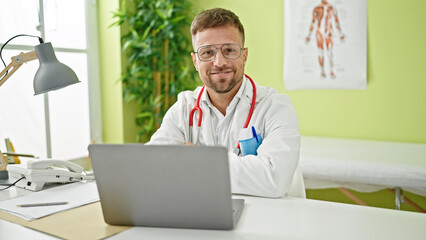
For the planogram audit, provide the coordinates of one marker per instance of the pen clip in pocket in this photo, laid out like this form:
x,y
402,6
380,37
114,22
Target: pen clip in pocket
x,y
250,141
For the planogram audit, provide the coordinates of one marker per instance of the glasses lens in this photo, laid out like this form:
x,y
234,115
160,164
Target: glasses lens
x,y
231,50
206,53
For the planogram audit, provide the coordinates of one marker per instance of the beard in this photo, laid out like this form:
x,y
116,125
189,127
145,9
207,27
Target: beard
x,y
224,85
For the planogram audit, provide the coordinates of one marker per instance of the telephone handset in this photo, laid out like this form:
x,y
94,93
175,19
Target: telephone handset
x,y
39,172
45,164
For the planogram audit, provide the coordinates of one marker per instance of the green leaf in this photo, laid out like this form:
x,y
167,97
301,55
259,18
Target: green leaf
x,y
160,14
177,19
146,32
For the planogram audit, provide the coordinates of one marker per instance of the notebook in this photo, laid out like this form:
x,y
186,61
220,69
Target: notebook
x,y
165,186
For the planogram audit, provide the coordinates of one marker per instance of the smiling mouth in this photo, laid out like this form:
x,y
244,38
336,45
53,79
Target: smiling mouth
x,y
220,73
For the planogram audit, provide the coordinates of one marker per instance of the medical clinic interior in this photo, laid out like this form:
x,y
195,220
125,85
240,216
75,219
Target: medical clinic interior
x,y
80,76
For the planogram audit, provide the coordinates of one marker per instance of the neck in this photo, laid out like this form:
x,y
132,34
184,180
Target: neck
x,y
222,100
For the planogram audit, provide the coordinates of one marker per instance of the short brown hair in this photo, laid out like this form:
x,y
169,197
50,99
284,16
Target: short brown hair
x,y
216,17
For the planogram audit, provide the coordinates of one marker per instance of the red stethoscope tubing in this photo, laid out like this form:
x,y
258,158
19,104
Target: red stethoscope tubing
x,y
197,108
253,101
200,112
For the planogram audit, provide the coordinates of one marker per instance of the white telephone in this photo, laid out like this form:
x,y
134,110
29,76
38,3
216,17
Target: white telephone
x,y
39,172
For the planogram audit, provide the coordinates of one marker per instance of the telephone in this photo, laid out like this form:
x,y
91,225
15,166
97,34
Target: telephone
x,y
39,172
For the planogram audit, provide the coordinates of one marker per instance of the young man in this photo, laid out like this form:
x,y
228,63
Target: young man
x,y
219,57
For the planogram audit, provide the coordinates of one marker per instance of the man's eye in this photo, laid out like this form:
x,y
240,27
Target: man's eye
x,y
207,52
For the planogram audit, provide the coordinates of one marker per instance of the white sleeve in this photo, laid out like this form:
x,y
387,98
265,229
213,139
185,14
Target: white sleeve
x,y
270,173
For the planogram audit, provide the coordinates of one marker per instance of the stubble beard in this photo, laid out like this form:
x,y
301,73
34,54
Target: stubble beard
x,y
216,85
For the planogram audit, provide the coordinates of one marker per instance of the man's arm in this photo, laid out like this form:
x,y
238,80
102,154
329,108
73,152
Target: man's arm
x,y
270,173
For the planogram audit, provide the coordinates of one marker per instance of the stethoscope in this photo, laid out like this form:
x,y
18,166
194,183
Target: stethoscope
x,y
200,112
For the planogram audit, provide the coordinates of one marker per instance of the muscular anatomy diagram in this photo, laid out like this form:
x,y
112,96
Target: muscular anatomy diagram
x,y
324,18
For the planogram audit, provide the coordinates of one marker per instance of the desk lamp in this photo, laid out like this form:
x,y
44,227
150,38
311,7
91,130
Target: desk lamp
x,y
51,75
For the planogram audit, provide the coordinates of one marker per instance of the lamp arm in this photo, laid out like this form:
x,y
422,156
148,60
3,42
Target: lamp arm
x,y
13,154
17,62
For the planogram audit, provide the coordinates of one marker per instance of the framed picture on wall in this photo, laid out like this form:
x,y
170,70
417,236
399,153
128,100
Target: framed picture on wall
x,y
325,44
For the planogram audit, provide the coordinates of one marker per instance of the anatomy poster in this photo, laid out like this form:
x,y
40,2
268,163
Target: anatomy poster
x,y
325,44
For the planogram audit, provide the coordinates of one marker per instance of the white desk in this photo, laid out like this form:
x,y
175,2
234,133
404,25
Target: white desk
x,y
292,218
262,218
14,231
287,218
12,192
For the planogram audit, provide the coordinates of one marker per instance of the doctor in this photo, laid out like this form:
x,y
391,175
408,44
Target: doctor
x,y
225,107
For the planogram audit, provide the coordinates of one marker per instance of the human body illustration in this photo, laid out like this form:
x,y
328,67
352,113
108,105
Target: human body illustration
x,y
325,19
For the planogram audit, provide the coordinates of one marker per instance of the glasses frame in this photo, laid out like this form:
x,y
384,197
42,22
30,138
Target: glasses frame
x,y
221,50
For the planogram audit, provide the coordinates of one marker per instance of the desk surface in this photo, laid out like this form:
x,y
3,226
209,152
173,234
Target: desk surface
x,y
262,218
292,218
14,231
287,218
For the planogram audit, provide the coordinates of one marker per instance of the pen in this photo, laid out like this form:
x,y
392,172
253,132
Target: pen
x,y
254,133
42,204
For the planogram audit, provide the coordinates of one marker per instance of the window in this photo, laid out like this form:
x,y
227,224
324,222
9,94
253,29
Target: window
x,y
59,124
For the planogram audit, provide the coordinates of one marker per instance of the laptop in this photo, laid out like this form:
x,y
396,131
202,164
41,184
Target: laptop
x,y
165,186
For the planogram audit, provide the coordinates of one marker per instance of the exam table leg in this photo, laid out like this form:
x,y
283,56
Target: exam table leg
x,y
399,198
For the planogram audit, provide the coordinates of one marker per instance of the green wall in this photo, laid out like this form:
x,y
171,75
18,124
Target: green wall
x,y
118,116
392,108
110,68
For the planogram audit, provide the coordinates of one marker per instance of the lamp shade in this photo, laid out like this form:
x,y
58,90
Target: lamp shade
x,y
51,74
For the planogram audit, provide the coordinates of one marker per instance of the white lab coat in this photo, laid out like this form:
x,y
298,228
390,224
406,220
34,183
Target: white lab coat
x,y
268,174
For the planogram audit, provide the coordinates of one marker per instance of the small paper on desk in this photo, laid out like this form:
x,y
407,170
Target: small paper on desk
x,y
77,194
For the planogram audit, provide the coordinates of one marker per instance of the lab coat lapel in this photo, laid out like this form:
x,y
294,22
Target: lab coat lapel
x,y
241,112
207,131
208,128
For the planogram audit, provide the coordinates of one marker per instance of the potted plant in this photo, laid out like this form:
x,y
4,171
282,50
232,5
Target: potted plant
x,y
156,42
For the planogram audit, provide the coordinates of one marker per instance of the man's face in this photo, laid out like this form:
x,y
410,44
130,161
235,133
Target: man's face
x,y
220,74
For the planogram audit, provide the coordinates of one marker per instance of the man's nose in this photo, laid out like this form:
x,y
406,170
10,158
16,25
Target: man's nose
x,y
220,60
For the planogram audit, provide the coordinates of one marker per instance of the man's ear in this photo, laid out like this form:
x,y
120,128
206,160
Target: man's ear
x,y
194,60
245,55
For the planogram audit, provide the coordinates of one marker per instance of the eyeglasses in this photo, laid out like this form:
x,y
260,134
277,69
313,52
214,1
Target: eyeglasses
x,y
229,50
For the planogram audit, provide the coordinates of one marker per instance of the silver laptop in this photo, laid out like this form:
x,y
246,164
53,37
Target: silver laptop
x,y
165,186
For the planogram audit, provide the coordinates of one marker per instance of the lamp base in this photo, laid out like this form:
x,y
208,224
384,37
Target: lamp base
x,y
4,174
